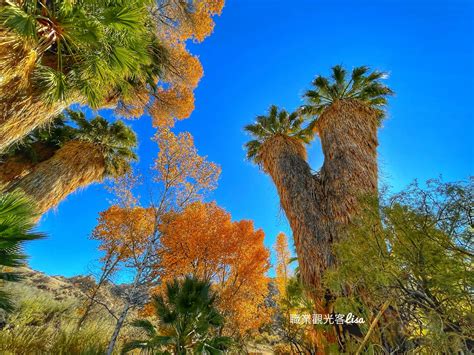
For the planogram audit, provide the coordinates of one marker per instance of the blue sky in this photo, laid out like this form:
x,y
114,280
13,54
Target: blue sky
x,y
266,52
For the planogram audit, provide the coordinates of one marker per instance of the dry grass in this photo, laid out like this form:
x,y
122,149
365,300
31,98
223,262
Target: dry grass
x,y
42,325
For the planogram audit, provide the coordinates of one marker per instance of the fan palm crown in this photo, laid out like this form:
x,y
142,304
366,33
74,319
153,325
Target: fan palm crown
x,y
95,49
188,321
116,141
362,86
277,122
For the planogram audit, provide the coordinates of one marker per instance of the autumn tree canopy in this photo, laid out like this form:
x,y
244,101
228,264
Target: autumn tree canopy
x,y
128,56
204,242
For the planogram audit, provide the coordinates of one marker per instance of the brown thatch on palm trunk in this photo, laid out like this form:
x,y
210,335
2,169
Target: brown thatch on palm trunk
x,y
319,206
75,165
284,159
38,146
14,169
22,112
73,157
22,107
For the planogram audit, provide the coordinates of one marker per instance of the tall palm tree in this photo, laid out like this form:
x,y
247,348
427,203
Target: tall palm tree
x,y
188,321
17,218
96,151
54,53
346,115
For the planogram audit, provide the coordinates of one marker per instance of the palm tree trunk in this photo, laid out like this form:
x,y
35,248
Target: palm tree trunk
x,y
319,206
22,112
13,169
285,161
18,166
22,107
75,165
348,132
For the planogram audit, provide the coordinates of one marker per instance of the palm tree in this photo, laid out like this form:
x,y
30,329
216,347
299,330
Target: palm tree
x,y
188,321
17,218
96,151
346,115
40,145
55,53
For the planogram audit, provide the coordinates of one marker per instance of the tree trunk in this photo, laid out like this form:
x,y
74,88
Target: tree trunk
x,y
22,107
75,165
23,111
19,165
118,327
319,205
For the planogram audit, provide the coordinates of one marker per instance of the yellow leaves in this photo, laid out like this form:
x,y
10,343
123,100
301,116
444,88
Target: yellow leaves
x,y
282,259
201,19
170,104
124,232
204,241
188,21
184,68
181,169
175,100
133,105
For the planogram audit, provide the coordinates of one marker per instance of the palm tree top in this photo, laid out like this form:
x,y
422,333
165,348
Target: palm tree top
x,y
115,140
95,49
188,320
277,122
363,86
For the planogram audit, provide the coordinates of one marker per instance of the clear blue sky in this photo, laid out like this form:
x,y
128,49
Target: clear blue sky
x,y
266,52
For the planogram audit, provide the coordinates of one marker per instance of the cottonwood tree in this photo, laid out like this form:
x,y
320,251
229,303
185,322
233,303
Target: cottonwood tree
x,y
129,234
204,242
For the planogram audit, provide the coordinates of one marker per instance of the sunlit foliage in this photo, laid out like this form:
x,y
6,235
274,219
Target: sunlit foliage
x,y
414,252
204,242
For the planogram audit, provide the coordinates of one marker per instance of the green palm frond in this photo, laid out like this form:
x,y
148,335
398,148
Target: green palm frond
x,y
21,22
88,48
188,317
17,219
53,83
362,86
145,325
277,122
116,141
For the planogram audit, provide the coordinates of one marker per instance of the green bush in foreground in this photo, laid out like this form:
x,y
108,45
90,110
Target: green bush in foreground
x,y
410,258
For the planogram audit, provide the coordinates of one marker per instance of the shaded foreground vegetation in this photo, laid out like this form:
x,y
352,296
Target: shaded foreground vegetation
x,y
408,277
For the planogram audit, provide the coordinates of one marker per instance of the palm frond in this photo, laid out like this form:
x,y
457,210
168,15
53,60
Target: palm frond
x,y
277,122
363,86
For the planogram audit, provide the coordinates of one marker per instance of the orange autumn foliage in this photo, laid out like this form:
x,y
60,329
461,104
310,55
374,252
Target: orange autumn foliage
x,y
283,257
176,102
185,175
189,19
203,241
124,232
177,22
